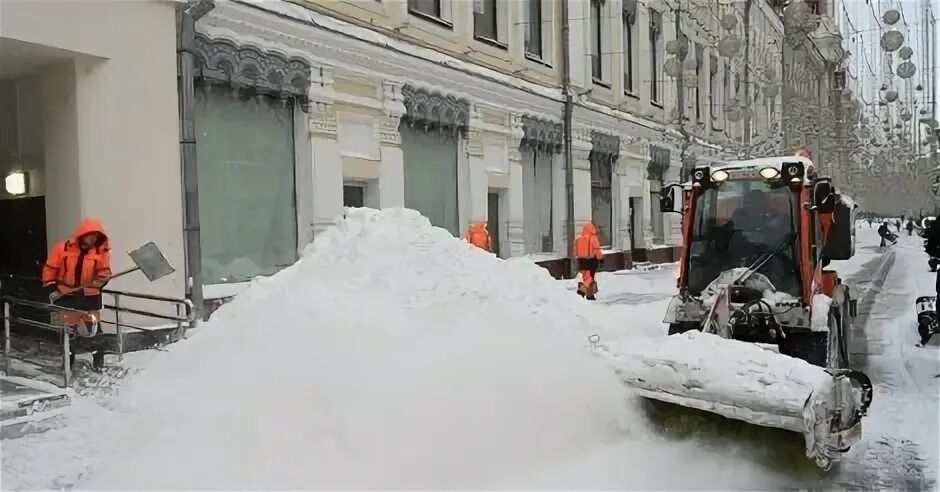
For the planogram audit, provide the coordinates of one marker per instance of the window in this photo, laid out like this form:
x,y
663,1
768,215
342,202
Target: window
x,y
537,192
699,63
433,10
724,233
245,146
656,55
714,91
602,209
596,40
533,28
430,175
485,20
353,195
629,45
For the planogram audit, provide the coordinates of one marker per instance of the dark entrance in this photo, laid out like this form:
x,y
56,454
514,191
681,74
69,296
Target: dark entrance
x,y
23,250
492,220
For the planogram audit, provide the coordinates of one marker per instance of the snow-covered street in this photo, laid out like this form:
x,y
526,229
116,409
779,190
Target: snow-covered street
x,y
394,356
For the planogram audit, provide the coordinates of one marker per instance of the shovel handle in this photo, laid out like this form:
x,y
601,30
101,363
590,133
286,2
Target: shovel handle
x,y
55,296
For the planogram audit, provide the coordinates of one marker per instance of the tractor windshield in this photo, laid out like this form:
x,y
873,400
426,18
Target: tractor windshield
x,y
737,222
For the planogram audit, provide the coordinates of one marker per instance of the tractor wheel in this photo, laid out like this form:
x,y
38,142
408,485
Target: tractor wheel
x,y
682,327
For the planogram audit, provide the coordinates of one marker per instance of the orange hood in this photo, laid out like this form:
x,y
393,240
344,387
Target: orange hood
x,y
479,227
589,230
89,226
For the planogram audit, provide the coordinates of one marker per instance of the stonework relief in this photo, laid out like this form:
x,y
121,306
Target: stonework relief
x,y
221,60
542,135
433,110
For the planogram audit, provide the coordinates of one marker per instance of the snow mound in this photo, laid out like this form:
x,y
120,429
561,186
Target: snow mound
x,y
391,355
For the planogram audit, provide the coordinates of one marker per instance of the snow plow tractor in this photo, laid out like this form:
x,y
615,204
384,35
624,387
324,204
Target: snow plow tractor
x,y
757,237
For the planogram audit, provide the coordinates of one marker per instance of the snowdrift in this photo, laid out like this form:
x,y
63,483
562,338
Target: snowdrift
x,y
391,355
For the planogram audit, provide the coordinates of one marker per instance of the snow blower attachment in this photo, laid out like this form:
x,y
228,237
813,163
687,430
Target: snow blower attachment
x,y
757,236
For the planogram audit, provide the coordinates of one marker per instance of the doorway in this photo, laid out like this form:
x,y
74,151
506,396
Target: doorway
x,y
636,228
492,220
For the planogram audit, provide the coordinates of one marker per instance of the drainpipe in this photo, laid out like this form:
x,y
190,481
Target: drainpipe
x,y
185,49
747,74
569,153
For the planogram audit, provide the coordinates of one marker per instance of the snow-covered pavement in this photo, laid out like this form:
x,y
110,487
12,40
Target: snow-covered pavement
x,y
395,356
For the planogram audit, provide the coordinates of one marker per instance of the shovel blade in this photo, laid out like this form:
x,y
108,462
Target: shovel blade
x,y
151,261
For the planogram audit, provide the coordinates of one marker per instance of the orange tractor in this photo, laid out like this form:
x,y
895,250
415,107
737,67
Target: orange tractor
x,y
757,238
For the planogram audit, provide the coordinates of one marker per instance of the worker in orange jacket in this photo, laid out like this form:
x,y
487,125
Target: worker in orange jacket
x,y
479,236
587,249
75,272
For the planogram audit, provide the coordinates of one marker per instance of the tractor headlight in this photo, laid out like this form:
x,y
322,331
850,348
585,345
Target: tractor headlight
x,y
769,173
719,175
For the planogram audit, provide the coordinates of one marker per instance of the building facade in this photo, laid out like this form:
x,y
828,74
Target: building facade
x,y
450,107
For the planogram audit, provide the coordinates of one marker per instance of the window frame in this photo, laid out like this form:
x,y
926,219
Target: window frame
x,y
440,17
533,28
630,58
488,38
597,42
655,33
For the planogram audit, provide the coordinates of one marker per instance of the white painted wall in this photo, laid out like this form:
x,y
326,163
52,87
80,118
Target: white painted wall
x,y
110,123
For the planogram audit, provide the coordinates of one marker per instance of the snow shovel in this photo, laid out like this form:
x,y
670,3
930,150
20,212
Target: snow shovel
x,y
146,258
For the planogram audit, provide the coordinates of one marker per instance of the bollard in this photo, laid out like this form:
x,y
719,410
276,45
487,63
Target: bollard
x,y
117,326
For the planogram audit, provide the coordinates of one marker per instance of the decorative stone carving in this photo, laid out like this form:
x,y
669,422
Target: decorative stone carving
x,y
605,144
516,136
542,135
323,120
475,132
393,101
221,60
435,110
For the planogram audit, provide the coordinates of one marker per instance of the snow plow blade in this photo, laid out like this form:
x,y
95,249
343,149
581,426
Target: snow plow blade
x,y
745,382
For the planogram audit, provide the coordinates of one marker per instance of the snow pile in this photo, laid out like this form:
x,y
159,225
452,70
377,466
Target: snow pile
x,y
391,355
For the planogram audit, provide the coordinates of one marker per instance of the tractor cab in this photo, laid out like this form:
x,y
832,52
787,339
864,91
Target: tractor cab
x,y
756,238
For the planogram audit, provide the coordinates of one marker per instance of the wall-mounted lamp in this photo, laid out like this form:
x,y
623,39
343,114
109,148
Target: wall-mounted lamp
x,y
16,183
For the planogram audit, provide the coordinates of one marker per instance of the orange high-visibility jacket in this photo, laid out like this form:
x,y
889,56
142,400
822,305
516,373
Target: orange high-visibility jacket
x,y
69,266
478,236
587,245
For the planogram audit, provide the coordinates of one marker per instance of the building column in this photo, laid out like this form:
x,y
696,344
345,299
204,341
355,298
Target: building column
x,y
581,149
515,232
325,154
477,184
621,191
392,169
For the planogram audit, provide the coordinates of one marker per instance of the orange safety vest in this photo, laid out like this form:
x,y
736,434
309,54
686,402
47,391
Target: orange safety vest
x,y
587,245
478,236
69,266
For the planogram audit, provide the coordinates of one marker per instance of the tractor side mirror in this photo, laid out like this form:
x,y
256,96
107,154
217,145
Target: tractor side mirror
x,y
667,199
824,197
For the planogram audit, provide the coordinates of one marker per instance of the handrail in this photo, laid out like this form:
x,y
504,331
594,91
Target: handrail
x,y
8,302
184,319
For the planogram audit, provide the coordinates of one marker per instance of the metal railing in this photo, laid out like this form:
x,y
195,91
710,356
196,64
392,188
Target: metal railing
x,y
184,319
